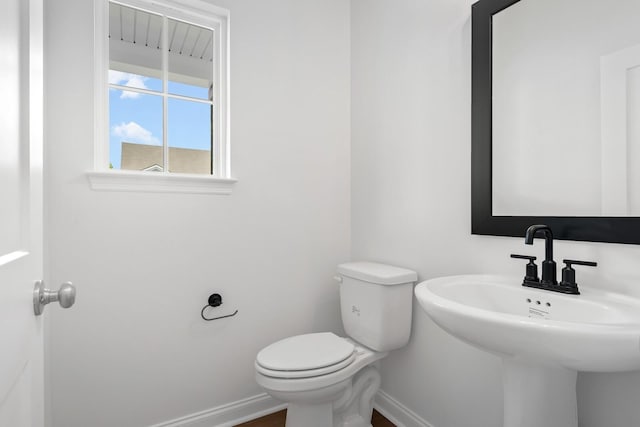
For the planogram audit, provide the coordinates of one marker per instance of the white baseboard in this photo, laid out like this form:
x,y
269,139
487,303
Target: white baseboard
x,y
397,413
230,414
262,404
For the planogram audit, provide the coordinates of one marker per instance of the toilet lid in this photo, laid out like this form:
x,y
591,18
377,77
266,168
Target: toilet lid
x,y
305,352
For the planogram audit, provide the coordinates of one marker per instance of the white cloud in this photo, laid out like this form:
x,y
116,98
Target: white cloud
x,y
127,94
127,79
133,132
117,77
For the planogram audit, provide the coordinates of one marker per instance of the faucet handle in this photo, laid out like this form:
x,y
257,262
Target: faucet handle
x,y
569,274
571,262
529,257
532,269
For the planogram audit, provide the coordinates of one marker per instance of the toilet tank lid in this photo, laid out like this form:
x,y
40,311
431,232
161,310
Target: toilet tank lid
x,y
380,274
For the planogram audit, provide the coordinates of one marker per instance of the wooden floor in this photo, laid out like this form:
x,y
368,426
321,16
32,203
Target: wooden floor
x,y
277,420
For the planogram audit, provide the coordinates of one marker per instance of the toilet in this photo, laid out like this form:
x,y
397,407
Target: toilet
x,y
331,381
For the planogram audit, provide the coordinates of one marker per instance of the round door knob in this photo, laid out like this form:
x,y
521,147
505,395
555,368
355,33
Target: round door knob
x,y
66,296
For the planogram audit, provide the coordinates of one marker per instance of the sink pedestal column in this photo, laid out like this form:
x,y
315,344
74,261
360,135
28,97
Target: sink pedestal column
x,y
538,395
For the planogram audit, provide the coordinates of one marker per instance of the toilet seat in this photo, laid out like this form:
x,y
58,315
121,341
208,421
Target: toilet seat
x,y
305,356
306,373
276,383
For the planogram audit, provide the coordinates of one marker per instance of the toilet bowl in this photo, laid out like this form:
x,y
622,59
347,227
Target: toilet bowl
x,y
322,376
331,381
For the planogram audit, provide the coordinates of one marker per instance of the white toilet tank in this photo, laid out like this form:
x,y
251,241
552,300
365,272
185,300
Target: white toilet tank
x,y
376,302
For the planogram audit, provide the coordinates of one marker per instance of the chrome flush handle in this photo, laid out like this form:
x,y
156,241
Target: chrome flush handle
x,y
66,296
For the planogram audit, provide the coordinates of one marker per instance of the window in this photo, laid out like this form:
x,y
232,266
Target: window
x,y
163,88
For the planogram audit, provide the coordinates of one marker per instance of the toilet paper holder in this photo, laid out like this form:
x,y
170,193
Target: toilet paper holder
x,y
215,300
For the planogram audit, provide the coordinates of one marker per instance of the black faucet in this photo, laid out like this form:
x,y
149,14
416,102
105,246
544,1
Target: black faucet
x,y
548,265
549,281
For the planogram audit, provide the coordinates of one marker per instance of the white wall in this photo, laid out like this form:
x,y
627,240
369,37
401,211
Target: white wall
x,y
411,161
133,351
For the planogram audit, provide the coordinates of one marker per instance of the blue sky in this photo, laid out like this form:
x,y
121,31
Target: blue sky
x,y
137,118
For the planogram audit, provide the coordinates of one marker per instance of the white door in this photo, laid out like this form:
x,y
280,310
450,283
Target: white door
x,y
21,129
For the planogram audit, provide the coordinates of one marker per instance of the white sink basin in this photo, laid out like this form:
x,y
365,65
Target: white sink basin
x,y
543,337
595,331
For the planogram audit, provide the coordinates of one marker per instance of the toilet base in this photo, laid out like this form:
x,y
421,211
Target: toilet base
x,y
318,415
352,406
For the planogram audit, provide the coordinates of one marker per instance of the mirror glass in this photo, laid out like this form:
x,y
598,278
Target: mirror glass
x,y
566,109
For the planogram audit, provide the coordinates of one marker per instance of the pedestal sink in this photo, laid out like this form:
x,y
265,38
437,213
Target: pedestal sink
x,y
544,338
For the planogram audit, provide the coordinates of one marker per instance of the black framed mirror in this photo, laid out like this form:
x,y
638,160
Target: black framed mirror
x,y
601,227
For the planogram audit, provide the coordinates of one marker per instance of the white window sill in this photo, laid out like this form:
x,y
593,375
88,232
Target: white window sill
x,y
154,182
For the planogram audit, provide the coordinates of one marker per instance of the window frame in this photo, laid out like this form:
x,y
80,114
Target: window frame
x,y
191,11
